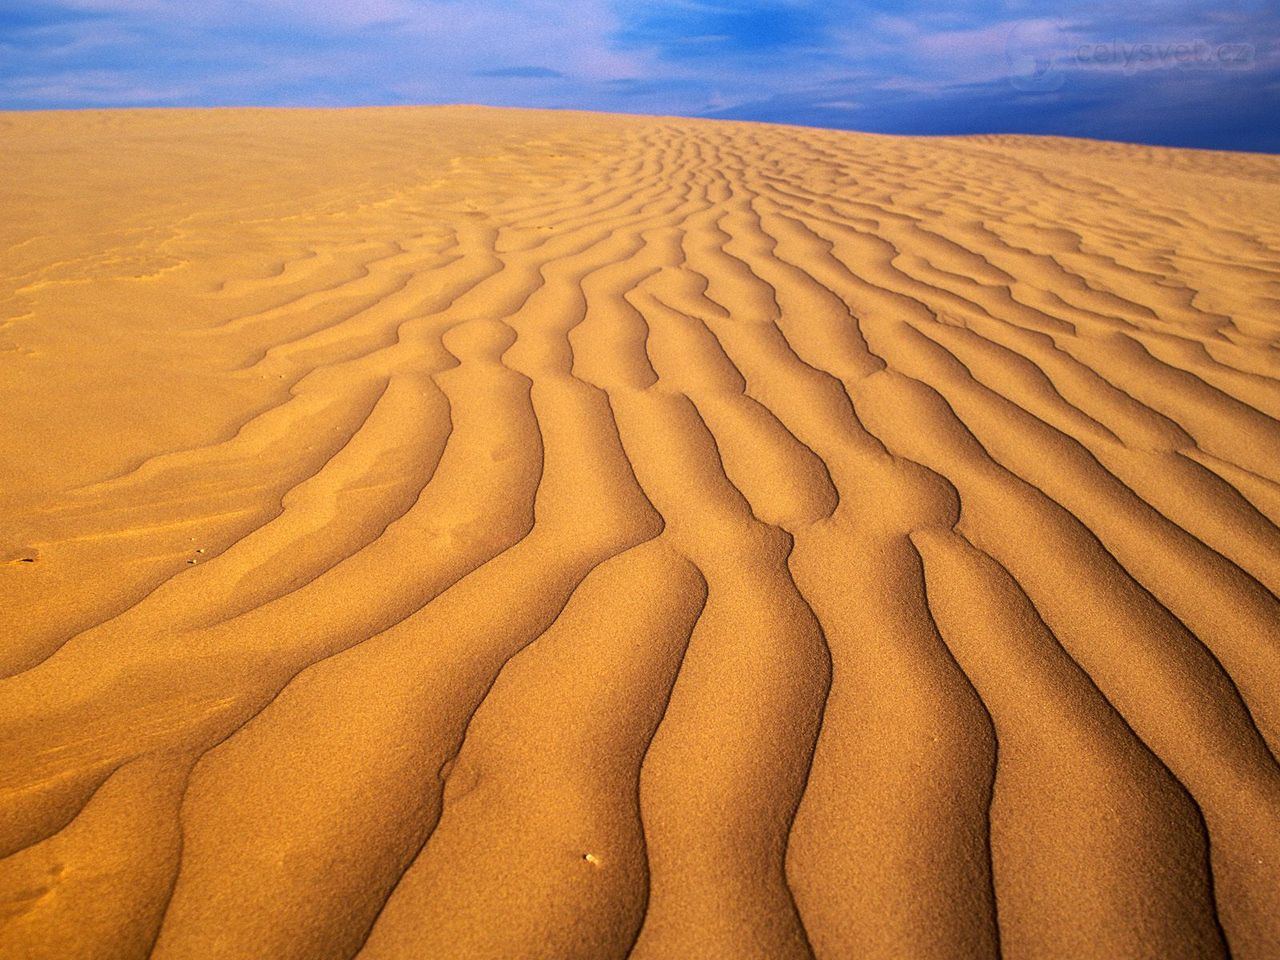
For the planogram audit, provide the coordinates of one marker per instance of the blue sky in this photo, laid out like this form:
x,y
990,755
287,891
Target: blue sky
x,y
1154,71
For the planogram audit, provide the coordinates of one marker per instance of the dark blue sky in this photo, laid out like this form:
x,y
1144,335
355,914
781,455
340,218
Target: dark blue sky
x,y
1154,71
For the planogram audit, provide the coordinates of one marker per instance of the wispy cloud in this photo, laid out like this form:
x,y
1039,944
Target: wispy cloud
x,y
521,73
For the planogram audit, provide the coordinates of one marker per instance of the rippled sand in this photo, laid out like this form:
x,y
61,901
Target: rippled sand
x,y
450,533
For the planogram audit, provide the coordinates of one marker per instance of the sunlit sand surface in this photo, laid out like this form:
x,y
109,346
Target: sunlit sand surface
x,y
459,533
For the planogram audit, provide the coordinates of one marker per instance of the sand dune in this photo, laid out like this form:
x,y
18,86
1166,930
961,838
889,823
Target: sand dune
x,y
465,533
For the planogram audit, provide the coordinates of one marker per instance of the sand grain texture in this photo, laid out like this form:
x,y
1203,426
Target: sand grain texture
x,y
458,533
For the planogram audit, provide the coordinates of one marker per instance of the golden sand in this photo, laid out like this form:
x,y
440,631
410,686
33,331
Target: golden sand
x,y
452,533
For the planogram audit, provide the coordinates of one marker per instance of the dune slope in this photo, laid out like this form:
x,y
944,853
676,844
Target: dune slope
x,y
458,533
